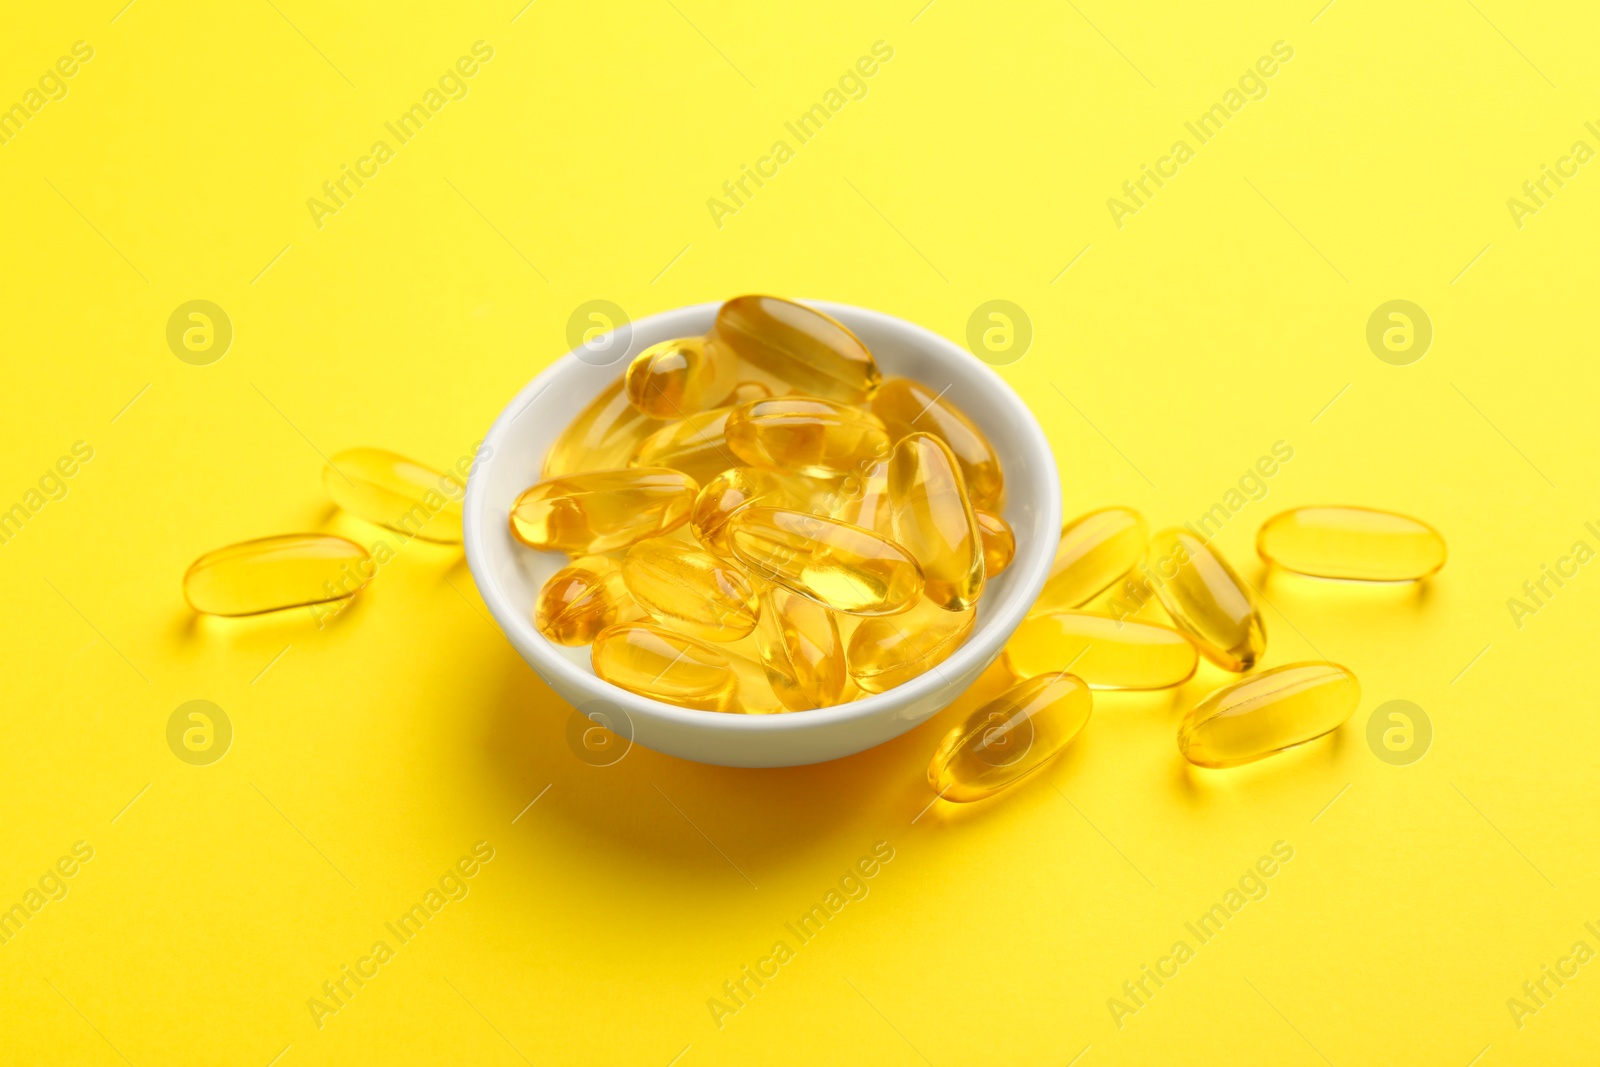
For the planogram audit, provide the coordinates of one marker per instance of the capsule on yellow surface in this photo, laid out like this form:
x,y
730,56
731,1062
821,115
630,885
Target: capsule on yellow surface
x,y
801,650
1106,653
583,598
999,543
891,650
908,407
1206,599
674,379
602,437
863,499
395,492
603,510
270,573
665,665
812,351
694,445
840,566
690,590
1010,737
1356,543
736,488
933,521
1267,713
805,435
1094,551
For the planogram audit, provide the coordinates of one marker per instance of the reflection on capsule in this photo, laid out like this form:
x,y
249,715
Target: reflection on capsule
x,y
1095,550
1267,713
889,651
583,598
1206,599
271,573
665,665
1010,737
674,379
801,650
690,590
603,510
392,491
812,351
1106,653
908,407
602,437
753,693
739,487
805,435
999,543
694,445
933,521
840,566
1354,543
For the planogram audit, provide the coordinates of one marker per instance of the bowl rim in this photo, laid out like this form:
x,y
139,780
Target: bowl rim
x,y
985,643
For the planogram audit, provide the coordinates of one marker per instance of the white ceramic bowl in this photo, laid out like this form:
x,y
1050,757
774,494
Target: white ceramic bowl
x,y
509,574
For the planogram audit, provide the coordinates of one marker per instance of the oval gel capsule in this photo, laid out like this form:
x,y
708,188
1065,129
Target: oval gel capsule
x,y
1106,653
1206,599
271,573
740,487
689,590
603,510
812,351
999,543
602,437
806,435
1094,551
1010,737
583,598
840,566
801,650
665,665
1354,543
694,445
1267,713
753,693
933,520
889,651
395,492
907,407
674,379
863,499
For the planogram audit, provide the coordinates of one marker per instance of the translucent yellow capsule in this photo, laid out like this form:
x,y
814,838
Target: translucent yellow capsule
x,y
665,665
908,407
1267,713
603,510
392,491
287,571
933,520
602,437
889,651
690,590
1010,737
583,598
1206,599
801,650
745,392
675,379
1095,550
812,351
840,566
736,488
863,500
999,543
1347,542
1106,653
806,435
753,694
694,445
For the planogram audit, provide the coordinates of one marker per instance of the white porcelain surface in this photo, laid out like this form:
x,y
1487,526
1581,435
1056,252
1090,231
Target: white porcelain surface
x,y
509,575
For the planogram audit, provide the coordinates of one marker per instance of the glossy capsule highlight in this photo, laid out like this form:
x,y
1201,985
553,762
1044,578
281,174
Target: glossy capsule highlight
x,y
1106,653
603,436
665,665
906,407
801,650
1267,713
740,487
272,573
753,693
392,491
889,651
999,542
812,351
692,591
1361,544
1206,599
603,510
839,566
1094,551
694,445
863,499
1010,737
675,379
933,520
805,435
582,599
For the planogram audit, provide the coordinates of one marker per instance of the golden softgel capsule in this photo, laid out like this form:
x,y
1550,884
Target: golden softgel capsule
x,y
1010,737
801,650
805,435
694,445
602,437
583,598
840,566
271,573
665,665
691,590
1354,543
392,491
603,510
999,543
1206,599
1267,713
1106,653
736,488
812,351
675,379
1094,551
863,499
753,693
933,521
889,651
907,407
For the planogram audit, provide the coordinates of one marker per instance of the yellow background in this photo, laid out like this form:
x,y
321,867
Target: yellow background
x,y
371,755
